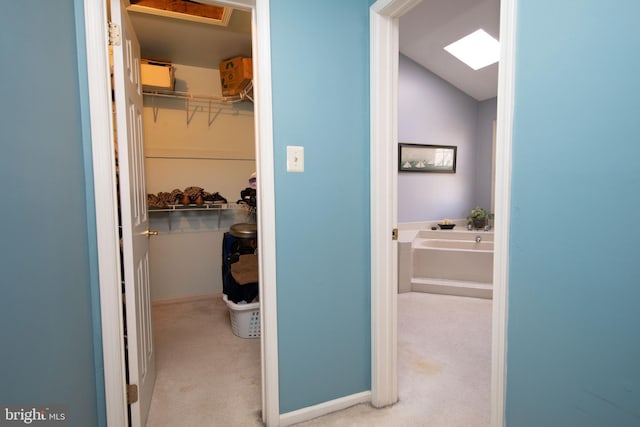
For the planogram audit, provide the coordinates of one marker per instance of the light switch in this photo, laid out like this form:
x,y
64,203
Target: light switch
x,y
295,158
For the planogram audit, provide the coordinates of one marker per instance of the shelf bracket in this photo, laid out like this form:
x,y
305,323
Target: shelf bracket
x,y
214,116
190,113
155,109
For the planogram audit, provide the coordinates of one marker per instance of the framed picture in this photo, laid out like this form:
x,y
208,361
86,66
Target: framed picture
x,y
427,158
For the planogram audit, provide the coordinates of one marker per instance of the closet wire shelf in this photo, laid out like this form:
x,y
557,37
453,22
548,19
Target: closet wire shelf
x,y
213,101
206,207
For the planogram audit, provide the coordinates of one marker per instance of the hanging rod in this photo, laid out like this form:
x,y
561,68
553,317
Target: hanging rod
x,y
193,97
246,94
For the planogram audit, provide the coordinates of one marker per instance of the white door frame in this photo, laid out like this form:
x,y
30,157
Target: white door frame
x,y
504,128
384,133
95,20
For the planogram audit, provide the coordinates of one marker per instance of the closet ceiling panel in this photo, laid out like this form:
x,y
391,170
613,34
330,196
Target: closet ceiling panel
x,y
193,43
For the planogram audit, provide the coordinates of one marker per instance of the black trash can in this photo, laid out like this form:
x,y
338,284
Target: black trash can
x,y
238,245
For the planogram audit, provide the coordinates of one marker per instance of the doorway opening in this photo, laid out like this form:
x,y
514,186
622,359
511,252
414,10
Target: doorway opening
x,y
100,112
384,133
445,276
196,161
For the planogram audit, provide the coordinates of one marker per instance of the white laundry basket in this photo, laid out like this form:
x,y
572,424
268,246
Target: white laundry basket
x,y
245,318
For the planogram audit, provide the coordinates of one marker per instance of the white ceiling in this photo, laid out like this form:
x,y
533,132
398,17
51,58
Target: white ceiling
x,y
192,43
424,31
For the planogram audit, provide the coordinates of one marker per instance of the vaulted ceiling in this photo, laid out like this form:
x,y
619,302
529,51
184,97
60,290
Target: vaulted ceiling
x,y
426,29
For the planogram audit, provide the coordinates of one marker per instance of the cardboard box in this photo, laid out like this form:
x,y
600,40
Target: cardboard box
x,y
235,74
156,75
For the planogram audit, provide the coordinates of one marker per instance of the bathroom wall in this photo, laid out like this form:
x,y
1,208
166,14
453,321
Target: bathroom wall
x,y
195,144
431,111
50,346
573,338
487,112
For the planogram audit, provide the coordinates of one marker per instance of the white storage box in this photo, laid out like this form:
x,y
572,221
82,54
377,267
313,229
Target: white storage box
x,y
245,318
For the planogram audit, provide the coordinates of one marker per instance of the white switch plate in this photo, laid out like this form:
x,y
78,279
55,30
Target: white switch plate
x,y
295,158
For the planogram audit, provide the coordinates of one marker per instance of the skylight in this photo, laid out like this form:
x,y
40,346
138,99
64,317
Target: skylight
x,y
477,50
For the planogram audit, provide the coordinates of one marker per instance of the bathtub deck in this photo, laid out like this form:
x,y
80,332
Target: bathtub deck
x,y
452,287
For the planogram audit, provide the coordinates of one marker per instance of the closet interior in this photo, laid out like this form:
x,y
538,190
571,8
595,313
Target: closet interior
x,y
200,164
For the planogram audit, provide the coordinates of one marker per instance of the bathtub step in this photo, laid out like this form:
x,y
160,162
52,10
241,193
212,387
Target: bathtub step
x,y
452,287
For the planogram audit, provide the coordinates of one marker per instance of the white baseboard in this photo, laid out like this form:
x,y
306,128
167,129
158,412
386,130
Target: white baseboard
x,y
187,298
315,411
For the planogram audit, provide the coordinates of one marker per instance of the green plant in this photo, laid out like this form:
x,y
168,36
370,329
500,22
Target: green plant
x,y
477,213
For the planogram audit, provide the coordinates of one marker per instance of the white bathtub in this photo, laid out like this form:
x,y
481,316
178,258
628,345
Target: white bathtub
x,y
457,245
451,261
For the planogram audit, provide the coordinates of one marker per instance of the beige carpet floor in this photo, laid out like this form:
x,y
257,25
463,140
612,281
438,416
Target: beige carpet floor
x,y
206,376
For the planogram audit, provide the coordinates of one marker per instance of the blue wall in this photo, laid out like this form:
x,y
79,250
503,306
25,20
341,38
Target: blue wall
x,y
574,287
574,341
321,101
49,352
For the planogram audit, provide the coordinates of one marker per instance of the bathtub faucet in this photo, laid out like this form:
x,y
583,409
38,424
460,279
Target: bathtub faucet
x,y
478,239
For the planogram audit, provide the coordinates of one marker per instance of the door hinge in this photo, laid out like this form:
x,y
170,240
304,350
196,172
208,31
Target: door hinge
x,y
394,234
114,34
132,393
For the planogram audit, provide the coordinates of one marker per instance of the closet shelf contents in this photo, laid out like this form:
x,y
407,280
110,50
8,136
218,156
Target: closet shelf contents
x,y
207,206
188,196
190,199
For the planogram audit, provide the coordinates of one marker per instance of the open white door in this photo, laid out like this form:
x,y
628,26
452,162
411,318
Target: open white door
x,y
134,218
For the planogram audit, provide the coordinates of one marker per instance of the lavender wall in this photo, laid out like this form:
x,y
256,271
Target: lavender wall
x,y
487,111
431,111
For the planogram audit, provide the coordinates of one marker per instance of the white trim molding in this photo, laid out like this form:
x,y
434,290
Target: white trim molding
x,y
384,39
267,213
106,212
384,16
315,411
393,9
504,131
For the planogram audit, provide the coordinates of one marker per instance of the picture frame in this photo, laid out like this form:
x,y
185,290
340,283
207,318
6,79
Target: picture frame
x,y
427,158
